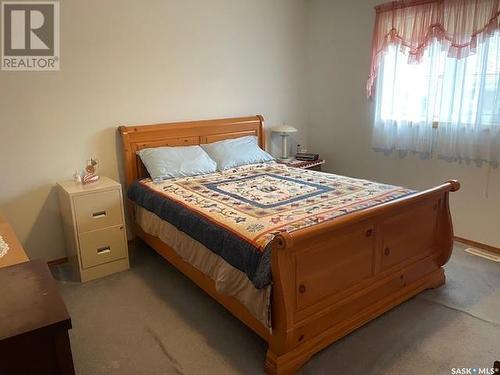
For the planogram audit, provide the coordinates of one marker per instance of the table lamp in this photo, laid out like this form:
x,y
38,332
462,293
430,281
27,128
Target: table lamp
x,y
284,131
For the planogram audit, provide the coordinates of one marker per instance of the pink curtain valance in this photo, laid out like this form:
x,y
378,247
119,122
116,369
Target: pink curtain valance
x,y
412,24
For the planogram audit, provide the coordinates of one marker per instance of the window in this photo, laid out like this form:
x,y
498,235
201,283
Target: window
x,y
435,78
441,89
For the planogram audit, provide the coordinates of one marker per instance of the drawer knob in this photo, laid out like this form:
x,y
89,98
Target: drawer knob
x,y
403,281
369,232
387,251
104,250
302,289
99,214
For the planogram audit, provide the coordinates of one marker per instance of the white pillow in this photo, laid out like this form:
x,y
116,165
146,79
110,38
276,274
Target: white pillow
x,y
170,162
231,153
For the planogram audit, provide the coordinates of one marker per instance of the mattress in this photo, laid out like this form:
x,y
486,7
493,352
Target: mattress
x,y
236,213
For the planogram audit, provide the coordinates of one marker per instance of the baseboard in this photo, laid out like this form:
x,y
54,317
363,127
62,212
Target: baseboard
x,y
478,245
56,262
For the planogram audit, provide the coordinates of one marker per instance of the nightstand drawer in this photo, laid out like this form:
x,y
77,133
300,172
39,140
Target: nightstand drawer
x,y
102,246
98,211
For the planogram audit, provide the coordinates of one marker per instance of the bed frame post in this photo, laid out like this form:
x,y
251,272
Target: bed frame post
x,y
128,154
445,224
280,342
262,132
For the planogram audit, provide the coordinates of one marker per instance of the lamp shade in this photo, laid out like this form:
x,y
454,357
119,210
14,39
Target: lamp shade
x,y
284,129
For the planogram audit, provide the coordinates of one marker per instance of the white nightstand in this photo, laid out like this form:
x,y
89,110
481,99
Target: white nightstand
x,y
94,226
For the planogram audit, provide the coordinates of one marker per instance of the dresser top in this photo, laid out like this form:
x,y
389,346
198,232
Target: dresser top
x,y
74,188
30,300
16,253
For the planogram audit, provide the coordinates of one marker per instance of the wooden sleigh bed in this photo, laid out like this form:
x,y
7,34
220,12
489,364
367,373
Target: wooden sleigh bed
x,y
328,279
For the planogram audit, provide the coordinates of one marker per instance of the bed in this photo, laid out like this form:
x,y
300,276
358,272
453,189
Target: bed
x,y
310,280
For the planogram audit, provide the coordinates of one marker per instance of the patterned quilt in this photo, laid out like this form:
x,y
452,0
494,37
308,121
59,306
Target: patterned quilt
x,y
236,213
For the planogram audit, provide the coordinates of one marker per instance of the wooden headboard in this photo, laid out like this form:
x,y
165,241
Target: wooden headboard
x,y
190,133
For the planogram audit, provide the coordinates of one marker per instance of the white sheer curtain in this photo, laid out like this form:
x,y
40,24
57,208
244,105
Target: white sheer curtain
x,y
441,106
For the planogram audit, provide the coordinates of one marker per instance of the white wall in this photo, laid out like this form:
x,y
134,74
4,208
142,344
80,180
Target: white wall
x,y
340,118
129,62
139,62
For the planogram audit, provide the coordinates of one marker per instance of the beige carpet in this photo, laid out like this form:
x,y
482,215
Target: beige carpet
x,y
153,320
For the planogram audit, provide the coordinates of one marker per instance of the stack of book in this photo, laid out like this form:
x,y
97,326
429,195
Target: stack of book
x,y
306,157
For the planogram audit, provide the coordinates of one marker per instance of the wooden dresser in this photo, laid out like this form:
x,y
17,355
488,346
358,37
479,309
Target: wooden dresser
x,y
16,252
34,321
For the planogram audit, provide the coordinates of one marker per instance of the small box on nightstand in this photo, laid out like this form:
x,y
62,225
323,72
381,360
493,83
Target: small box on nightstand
x,y
94,227
304,164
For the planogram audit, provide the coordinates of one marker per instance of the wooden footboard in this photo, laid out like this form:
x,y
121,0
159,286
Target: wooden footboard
x,y
332,278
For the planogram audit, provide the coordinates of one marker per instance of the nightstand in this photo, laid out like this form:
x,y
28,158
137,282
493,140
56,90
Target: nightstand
x,y
94,227
314,165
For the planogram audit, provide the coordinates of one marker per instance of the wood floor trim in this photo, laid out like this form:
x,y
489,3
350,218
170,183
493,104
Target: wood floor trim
x,y
56,262
478,245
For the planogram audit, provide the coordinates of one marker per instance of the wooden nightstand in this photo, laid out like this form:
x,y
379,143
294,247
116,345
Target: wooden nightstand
x,y
314,165
94,226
